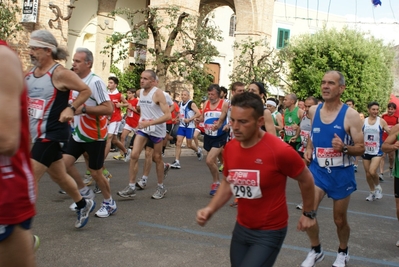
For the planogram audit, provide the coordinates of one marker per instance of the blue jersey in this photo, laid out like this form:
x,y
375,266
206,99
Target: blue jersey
x,y
322,135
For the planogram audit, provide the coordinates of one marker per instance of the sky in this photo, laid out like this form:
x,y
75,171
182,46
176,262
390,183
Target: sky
x,y
382,21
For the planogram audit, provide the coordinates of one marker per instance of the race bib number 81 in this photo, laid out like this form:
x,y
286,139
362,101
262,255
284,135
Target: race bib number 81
x,y
245,183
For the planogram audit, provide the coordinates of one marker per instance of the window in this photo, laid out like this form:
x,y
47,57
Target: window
x,y
232,25
282,38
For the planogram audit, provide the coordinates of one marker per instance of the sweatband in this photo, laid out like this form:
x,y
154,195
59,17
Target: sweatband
x,y
41,44
271,103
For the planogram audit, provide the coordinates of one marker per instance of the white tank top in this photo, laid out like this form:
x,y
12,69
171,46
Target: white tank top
x,y
151,111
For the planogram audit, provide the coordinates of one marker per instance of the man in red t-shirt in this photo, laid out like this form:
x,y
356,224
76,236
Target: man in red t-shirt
x,y
17,183
392,120
258,180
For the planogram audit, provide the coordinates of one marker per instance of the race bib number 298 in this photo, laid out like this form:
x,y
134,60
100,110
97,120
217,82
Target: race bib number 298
x,y
245,183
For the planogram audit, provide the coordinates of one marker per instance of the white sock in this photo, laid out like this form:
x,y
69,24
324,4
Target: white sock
x,y
132,186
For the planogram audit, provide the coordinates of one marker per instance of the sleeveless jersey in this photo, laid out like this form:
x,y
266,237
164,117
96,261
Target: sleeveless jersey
x,y
115,97
185,113
372,137
150,111
211,117
396,162
258,180
17,184
45,106
322,135
391,121
274,114
89,128
306,127
132,117
290,118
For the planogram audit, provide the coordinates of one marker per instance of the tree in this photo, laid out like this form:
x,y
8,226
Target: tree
x,y
257,62
181,43
129,78
8,19
364,60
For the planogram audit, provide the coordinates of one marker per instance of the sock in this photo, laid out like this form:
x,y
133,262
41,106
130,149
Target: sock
x,y
160,185
132,186
81,204
177,161
317,248
87,172
109,200
105,171
84,190
343,250
144,178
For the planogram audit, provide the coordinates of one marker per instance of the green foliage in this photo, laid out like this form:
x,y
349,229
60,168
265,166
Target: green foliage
x,y
257,62
365,62
8,19
129,78
200,80
181,44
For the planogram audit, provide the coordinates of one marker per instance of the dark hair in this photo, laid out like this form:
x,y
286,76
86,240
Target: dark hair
x,y
261,87
234,86
314,99
132,90
214,86
350,100
114,79
372,103
392,105
224,90
249,100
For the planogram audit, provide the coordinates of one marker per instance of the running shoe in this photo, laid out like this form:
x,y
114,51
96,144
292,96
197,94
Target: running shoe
x,y
166,168
62,192
97,190
299,206
127,192
119,157
87,179
127,155
141,184
83,214
36,242
88,195
390,172
200,155
221,168
371,197
312,258
175,165
160,193
214,188
355,168
341,260
107,209
381,177
378,192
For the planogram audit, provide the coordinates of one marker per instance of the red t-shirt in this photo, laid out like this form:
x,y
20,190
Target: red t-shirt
x,y
116,114
258,176
174,114
391,121
132,117
17,183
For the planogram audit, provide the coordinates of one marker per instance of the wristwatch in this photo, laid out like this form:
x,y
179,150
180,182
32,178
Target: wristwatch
x,y
84,110
72,107
311,214
345,149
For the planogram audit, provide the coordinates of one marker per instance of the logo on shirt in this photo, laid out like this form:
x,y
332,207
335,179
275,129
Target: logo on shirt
x,y
258,161
316,130
337,127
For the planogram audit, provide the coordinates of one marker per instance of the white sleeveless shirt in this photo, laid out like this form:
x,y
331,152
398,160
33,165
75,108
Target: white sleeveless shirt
x,y
151,111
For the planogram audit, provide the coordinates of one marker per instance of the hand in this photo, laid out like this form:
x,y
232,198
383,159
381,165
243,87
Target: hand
x,y
226,128
305,223
294,126
203,215
118,105
143,124
293,139
307,156
66,115
337,143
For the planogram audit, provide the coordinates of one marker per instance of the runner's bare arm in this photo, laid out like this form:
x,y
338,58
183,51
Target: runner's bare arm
x,y
391,143
269,124
353,126
11,86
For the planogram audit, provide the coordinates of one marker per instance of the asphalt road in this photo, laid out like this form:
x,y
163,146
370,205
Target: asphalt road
x,y
147,232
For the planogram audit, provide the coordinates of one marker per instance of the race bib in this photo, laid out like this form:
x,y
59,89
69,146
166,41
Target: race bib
x,y
209,131
328,157
371,147
304,137
149,129
245,183
289,131
36,108
130,113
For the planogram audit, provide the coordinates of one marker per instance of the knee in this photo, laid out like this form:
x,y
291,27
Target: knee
x,y
340,222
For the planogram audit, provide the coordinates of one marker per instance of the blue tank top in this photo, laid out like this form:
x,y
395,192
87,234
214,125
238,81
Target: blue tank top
x,y
322,135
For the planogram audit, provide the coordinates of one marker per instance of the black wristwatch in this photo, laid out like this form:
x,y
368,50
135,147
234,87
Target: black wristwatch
x,y
345,149
311,214
72,107
84,110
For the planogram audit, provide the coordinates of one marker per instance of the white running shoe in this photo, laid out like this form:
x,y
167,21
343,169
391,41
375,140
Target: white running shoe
x,y
312,258
341,260
127,156
371,197
378,192
106,209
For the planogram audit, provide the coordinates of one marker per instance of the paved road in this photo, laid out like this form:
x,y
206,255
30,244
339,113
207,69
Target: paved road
x,y
147,232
